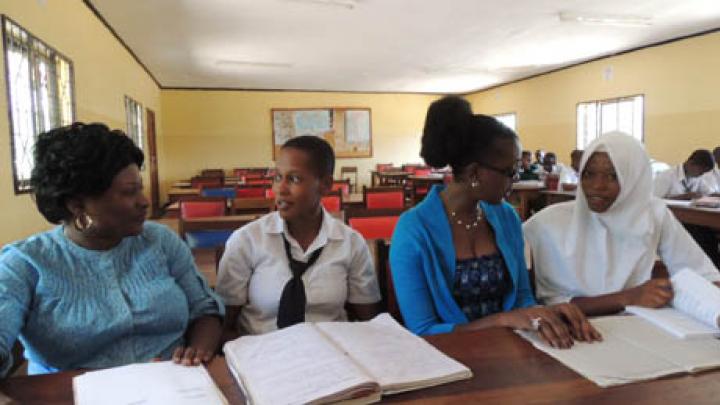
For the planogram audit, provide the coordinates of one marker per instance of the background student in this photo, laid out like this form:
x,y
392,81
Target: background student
x,y
598,251
684,181
457,258
298,263
712,178
105,288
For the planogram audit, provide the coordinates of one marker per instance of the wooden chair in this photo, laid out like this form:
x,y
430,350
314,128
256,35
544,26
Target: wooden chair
x,y
252,191
206,182
384,167
212,173
342,185
244,206
373,223
384,197
333,201
387,287
352,171
198,237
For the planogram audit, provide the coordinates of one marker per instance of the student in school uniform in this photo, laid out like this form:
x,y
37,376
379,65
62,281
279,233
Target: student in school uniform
x,y
104,288
298,263
569,176
539,157
457,258
599,250
685,181
712,178
528,170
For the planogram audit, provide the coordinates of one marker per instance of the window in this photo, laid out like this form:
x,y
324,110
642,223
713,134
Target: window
x,y
596,118
134,118
40,82
509,119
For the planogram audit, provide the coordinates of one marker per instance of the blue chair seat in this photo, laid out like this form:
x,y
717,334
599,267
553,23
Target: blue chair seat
x,y
207,239
218,192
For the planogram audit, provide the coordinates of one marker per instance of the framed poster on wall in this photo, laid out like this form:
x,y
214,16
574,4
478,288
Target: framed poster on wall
x,y
347,129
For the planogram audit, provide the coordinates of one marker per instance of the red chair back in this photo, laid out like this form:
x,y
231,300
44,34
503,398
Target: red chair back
x,y
332,203
378,200
269,193
423,172
383,167
201,209
251,192
342,186
374,227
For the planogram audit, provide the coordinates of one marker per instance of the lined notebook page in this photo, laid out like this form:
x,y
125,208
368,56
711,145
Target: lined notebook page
x,y
294,365
147,384
395,358
697,297
675,322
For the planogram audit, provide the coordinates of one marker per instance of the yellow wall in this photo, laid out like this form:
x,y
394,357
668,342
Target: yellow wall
x,y
227,129
104,73
680,81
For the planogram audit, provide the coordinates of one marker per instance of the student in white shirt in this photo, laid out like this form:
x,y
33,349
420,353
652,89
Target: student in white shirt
x,y
685,182
712,178
255,273
569,176
599,250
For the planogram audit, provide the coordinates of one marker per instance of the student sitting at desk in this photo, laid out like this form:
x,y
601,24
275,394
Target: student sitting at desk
x,y
457,258
298,263
599,250
105,288
685,181
712,178
528,170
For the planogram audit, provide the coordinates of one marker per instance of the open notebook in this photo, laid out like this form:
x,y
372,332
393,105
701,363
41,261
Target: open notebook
x,y
337,361
156,383
632,350
695,308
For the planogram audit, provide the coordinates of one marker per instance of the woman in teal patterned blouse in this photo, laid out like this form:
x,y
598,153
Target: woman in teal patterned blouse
x,y
104,288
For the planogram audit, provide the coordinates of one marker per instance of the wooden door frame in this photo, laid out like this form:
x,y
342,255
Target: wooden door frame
x,y
152,162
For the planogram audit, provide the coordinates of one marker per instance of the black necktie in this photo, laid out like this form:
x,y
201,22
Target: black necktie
x,y
292,300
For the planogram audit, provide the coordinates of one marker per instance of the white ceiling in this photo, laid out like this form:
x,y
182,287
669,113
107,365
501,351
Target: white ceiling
x,y
450,46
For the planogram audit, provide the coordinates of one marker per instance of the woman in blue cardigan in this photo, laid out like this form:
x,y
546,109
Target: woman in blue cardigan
x,y
457,258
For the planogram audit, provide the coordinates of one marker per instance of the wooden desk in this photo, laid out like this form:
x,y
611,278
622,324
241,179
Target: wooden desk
x,y
506,369
524,193
708,217
176,193
353,200
393,178
554,197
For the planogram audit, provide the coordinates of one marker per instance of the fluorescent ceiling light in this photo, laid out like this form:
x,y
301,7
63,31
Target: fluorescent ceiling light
x,y
227,62
611,20
348,4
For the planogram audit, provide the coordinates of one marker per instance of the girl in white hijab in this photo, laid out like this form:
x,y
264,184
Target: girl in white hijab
x,y
599,250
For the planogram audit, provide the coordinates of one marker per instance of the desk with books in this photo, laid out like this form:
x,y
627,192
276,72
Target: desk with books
x,y
506,369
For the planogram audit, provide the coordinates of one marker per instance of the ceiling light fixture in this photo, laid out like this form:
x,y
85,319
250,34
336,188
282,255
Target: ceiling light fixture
x,y
348,4
610,20
225,62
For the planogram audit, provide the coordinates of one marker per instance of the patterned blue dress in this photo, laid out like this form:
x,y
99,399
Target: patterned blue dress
x,y
480,285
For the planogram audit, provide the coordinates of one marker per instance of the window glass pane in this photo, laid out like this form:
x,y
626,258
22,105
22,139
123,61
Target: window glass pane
x,y
34,73
608,117
509,120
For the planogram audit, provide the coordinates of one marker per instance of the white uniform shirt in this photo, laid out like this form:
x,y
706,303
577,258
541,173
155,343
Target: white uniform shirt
x,y
673,182
712,180
254,270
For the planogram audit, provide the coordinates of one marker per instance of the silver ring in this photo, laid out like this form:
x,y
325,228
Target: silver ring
x,y
535,323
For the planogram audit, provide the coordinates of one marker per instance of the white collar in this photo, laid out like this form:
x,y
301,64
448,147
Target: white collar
x,y
330,229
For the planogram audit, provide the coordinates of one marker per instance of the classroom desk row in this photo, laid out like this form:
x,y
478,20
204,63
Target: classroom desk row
x,y
506,369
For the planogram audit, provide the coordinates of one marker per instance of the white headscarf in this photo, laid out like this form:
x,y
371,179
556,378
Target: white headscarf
x,y
580,252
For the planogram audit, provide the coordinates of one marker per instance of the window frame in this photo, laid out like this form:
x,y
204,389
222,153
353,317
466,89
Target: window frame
x,y
22,186
513,113
140,141
598,103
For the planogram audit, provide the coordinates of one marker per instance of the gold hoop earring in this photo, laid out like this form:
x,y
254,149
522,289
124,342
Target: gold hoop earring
x,y
83,222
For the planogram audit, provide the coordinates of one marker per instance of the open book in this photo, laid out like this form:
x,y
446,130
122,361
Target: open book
x,y
155,383
337,361
632,350
695,308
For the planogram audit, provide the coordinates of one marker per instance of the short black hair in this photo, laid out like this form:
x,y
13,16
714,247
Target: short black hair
x,y
526,153
702,158
454,136
322,156
78,160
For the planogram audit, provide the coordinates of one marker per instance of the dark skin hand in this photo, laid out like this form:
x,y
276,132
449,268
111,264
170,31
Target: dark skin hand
x,y
203,338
